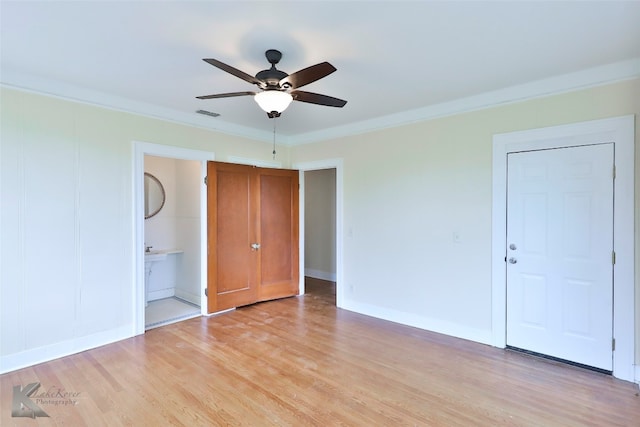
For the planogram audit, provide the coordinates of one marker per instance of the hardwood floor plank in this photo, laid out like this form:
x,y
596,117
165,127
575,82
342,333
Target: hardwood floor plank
x,y
300,361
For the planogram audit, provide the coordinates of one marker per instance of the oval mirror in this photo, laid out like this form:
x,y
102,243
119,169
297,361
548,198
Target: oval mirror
x,y
154,195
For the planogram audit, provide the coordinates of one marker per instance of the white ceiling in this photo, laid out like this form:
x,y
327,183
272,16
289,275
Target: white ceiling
x,y
397,61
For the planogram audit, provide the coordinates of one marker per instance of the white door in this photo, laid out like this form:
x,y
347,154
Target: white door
x,y
559,253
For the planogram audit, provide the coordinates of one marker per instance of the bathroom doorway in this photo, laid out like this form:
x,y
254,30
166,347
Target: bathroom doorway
x,y
170,247
171,240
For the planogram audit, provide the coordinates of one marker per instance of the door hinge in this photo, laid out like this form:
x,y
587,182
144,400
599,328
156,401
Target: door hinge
x,y
205,180
613,257
614,171
206,292
613,344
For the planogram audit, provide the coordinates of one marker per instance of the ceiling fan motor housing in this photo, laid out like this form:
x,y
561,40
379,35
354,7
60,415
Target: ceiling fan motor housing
x,y
271,77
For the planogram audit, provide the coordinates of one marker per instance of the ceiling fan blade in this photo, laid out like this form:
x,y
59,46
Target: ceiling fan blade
x,y
225,95
307,75
316,98
229,69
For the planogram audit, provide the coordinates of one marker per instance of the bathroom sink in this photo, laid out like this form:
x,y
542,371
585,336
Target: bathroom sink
x,y
155,256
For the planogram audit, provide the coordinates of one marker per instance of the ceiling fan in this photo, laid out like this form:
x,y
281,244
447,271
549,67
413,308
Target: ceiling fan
x,y
278,87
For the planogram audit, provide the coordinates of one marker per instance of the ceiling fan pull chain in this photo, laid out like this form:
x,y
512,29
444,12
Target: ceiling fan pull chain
x,y
274,138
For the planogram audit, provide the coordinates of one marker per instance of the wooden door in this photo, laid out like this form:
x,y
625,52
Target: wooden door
x,y
559,245
252,234
278,233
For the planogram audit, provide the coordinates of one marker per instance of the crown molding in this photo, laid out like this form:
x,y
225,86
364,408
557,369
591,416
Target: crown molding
x,y
597,76
69,92
584,79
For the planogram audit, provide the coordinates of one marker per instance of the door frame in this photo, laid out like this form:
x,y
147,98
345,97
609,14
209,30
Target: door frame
x,y
338,165
620,131
140,149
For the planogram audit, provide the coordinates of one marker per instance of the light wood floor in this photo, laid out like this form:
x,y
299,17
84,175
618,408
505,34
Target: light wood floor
x,y
302,362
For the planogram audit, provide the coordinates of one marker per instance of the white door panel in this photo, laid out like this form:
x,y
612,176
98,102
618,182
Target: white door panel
x,y
559,250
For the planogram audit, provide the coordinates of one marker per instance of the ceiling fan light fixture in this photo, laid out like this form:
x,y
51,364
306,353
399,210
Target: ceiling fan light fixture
x,y
273,100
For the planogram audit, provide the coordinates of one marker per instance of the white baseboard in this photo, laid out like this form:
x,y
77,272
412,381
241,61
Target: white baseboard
x,y
322,275
188,296
637,376
23,359
410,319
162,293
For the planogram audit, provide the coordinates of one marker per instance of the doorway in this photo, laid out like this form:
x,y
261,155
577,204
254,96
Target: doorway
x,y
619,132
335,166
171,240
138,242
320,232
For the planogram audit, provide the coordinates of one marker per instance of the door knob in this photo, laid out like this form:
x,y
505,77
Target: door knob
x,y
512,260
255,246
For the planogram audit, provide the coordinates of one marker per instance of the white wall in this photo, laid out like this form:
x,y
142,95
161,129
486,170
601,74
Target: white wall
x,y
188,232
65,228
320,224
